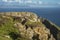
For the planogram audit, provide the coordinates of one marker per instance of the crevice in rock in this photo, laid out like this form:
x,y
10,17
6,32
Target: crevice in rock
x,y
26,26
23,22
49,36
15,18
36,37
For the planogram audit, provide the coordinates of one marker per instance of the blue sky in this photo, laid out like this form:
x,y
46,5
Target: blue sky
x,y
30,3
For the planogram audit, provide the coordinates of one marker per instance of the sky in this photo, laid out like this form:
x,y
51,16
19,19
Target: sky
x,y
29,3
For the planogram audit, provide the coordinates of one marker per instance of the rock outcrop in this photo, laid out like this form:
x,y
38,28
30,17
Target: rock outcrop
x,y
29,26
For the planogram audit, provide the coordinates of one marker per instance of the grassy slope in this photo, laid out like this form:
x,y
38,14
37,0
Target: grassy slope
x,y
6,28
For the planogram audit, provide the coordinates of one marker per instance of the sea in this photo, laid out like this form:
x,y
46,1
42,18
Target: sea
x,y
52,14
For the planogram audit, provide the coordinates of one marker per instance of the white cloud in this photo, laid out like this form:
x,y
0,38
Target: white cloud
x,y
40,2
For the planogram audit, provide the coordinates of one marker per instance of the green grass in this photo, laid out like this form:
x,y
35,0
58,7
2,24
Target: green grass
x,y
6,28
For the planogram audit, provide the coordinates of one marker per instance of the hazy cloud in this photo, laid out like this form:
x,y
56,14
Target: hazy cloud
x,y
59,3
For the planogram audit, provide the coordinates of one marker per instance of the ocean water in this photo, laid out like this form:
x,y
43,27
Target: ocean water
x,y
52,14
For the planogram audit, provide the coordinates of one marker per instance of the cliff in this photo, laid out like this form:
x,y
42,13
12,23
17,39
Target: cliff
x,y
27,26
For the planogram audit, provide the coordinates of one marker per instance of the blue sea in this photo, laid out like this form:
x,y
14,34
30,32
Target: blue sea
x,y
52,14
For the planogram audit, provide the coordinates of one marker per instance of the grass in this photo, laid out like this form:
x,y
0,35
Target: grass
x,y
6,28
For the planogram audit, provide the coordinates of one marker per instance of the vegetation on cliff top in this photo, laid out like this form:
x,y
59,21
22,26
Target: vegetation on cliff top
x,y
26,26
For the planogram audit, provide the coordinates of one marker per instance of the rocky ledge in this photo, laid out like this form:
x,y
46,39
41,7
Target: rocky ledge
x,y
27,26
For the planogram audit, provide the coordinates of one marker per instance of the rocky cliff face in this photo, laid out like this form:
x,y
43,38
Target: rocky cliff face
x,y
27,26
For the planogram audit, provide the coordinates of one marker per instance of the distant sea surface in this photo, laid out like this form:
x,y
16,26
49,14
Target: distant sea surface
x,y
52,14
